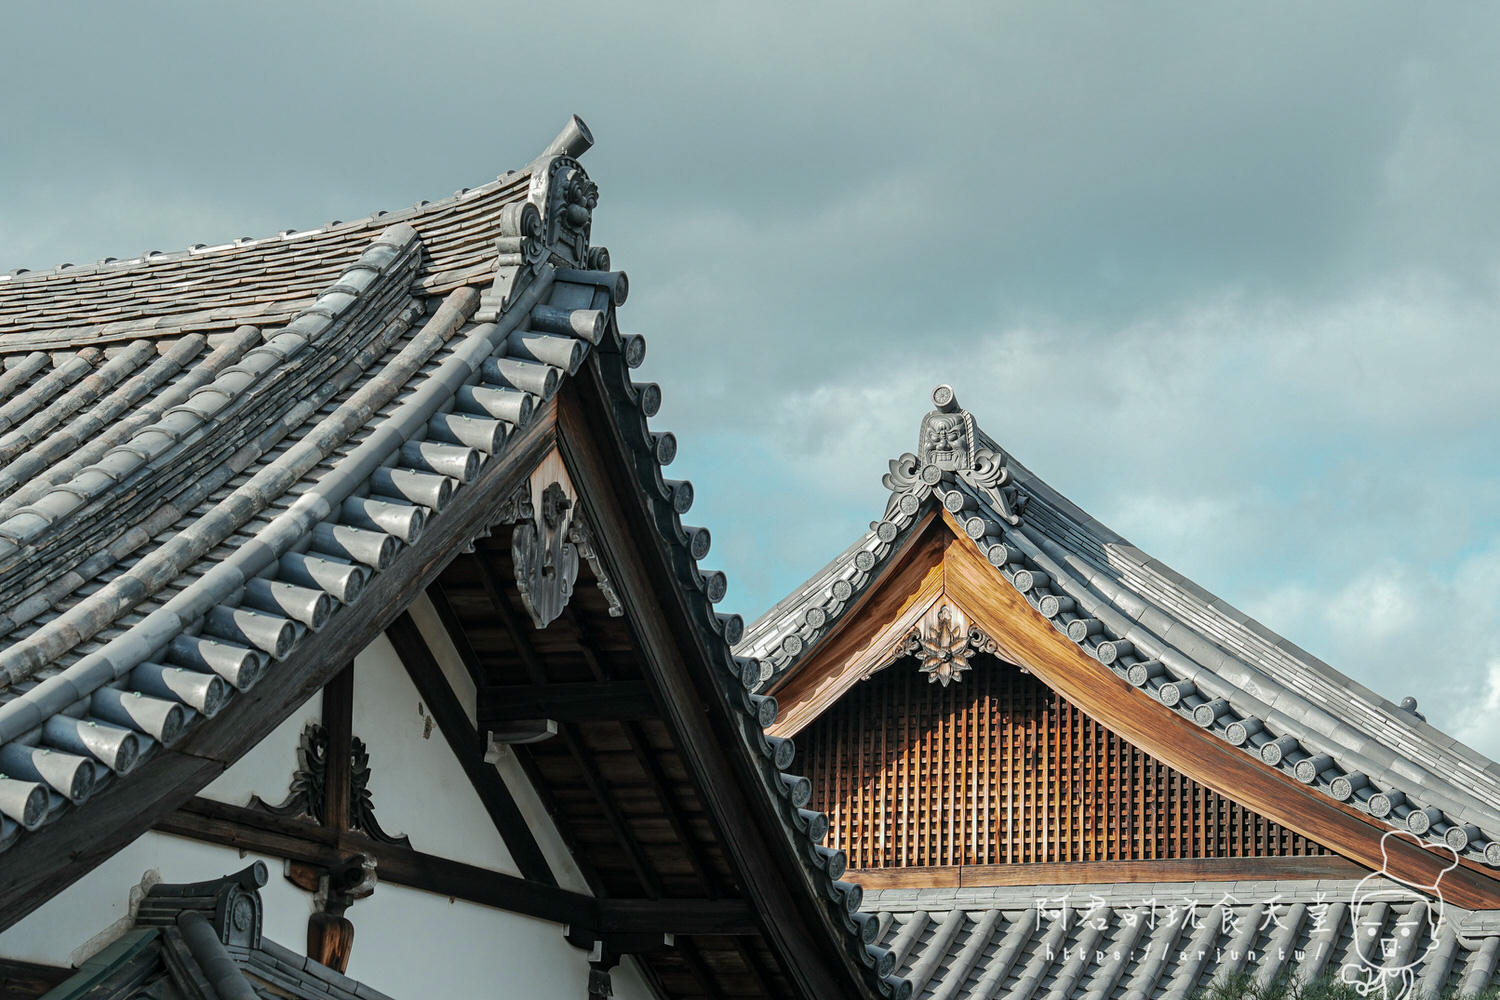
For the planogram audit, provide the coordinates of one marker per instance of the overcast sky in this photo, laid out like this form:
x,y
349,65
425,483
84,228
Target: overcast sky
x,y
1226,276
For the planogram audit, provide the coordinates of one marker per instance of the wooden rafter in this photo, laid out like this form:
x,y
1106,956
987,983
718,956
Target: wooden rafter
x,y
797,926
579,701
656,779
535,669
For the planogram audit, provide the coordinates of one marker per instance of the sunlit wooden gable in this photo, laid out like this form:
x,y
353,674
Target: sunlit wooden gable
x,y
996,697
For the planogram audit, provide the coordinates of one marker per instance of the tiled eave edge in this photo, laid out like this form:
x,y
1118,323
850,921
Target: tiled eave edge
x,y
445,474
786,634
1293,735
734,679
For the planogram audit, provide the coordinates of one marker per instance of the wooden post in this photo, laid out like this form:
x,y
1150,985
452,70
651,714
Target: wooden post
x,y
338,723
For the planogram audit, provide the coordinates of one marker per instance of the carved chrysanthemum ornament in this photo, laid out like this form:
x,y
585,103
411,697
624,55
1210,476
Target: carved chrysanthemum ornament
x,y
945,651
944,642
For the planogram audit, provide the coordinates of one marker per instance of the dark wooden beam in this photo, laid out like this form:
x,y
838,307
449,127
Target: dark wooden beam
x,y
453,625
338,723
754,966
635,736
700,970
299,840
460,638
811,947
28,980
670,916
465,742
644,871
603,701
308,843
1313,866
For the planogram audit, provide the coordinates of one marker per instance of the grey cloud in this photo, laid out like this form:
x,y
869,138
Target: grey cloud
x,y
1226,275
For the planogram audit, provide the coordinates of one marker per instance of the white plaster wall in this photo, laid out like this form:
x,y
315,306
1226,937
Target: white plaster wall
x,y
96,909
455,949
266,770
408,943
419,789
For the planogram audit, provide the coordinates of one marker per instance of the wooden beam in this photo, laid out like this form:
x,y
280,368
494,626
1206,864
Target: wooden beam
x,y
1028,639
468,747
308,843
645,873
598,701
338,723
444,608
42,864
1317,866
660,787
27,980
456,633
700,970
670,916
299,840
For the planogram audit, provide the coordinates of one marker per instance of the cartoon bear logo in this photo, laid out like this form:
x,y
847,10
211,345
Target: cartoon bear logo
x,y
1386,949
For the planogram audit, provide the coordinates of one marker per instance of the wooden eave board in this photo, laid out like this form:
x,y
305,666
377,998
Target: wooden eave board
x,y
674,654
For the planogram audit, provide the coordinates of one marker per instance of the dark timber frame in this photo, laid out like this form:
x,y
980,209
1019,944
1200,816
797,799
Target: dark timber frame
x,y
742,915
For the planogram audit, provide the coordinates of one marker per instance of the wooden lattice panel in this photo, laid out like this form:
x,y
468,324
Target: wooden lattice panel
x,y
999,769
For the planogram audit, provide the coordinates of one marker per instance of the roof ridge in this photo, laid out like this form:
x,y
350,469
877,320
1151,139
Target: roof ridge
x,y
22,275
574,139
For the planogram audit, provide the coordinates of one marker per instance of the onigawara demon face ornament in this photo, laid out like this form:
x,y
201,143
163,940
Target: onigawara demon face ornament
x,y
946,442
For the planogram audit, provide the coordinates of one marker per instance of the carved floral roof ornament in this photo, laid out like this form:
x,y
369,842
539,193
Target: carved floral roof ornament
x,y
305,795
944,642
949,448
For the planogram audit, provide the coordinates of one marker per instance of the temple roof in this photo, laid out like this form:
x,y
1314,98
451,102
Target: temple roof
x,y
204,939
1172,940
1174,641
209,456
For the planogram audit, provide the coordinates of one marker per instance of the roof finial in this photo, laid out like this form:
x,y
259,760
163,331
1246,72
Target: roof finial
x,y
574,140
947,440
949,446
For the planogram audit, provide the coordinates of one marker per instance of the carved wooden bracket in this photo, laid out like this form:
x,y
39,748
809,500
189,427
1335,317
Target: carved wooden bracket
x,y
305,796
546,562
581,536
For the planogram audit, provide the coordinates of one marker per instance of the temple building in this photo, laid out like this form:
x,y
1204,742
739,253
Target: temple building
x,y
1060,769
354,644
